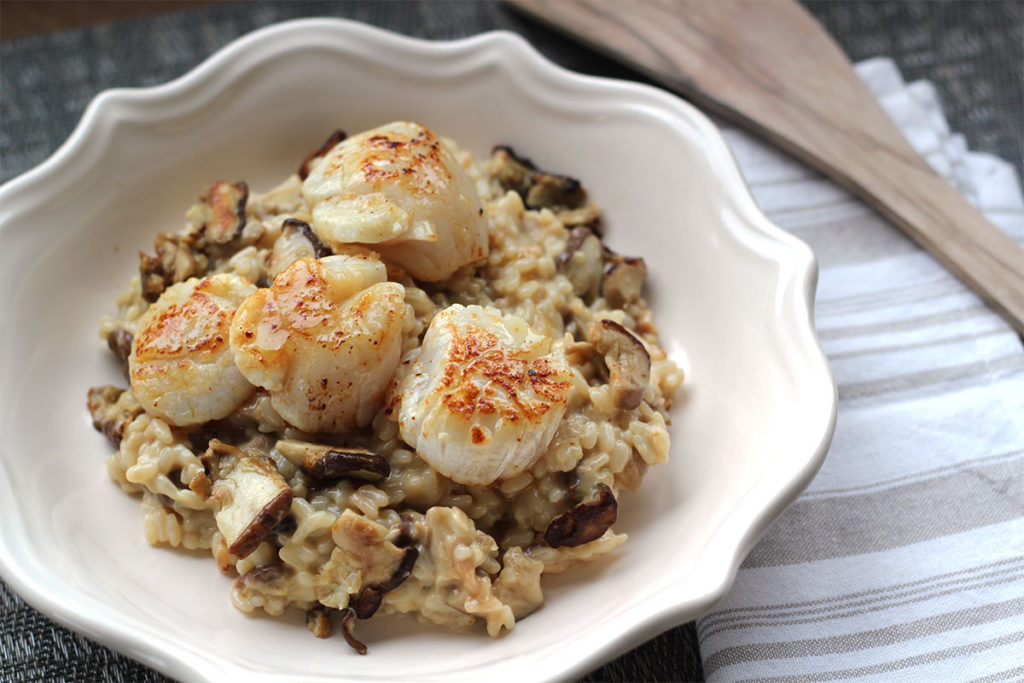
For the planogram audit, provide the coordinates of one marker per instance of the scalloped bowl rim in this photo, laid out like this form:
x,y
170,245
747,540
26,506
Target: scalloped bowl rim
x,y
671,605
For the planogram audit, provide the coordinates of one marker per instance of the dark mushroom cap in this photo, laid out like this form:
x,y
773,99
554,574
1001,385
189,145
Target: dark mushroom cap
x,y
583,522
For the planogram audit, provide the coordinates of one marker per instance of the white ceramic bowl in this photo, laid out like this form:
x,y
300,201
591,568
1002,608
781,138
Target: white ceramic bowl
x,y
731,292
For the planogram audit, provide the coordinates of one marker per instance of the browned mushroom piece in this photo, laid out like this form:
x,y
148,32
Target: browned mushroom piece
x,y
318,621
220,213
510,170
119,341
629,363
303,228
319,461
112,409
538,189
201,485
297,241
252,498
335,137
584,522
623,280
588,216
177,258
348,630
214,450
370,597
582,262
548,190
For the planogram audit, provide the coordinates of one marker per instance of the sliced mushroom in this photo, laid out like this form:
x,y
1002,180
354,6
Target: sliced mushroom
x,y
335,137
629,363
588,216
252,498
348,630
582,262
549,190
177,258
538,189
623,280
220,213
297,241
318,621
303,228
329,462
370,597
584,522
510,170
112,409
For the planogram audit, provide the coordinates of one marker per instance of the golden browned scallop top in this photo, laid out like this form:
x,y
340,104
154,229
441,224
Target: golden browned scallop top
x,y
481,377
399,188
324,339
484,396
414,163
198,322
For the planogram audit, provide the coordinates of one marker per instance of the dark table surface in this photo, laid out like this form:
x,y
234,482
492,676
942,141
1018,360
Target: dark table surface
x,y
971,50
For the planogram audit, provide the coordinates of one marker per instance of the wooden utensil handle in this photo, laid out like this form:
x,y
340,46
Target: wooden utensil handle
x,y
769,66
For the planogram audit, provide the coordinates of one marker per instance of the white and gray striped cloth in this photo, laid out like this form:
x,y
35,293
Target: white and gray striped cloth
x,y
904,559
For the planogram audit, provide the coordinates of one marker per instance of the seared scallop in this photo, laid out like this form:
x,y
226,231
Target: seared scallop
x,y
484,397
324,340
400,189
181,365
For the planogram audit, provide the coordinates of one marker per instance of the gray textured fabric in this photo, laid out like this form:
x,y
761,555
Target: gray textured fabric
x,y
972,51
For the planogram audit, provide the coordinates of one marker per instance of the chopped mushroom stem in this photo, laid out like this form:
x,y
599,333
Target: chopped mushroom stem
x,y
629,363
585,521
252,499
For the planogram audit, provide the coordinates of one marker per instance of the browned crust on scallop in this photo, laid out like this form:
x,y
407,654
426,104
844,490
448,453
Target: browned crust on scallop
x,y
479,353
162,337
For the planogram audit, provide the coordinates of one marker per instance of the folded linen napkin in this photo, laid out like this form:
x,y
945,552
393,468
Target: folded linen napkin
x,y
904,559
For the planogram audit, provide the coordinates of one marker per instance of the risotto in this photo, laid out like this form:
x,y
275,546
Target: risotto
x,y
400,381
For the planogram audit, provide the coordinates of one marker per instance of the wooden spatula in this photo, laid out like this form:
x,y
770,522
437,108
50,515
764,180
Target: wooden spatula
x,y
768,66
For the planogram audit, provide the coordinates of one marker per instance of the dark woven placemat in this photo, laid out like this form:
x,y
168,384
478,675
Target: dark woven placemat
x,y
971,50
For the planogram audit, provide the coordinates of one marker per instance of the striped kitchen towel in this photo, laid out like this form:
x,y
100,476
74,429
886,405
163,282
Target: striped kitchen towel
x,y
904,559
